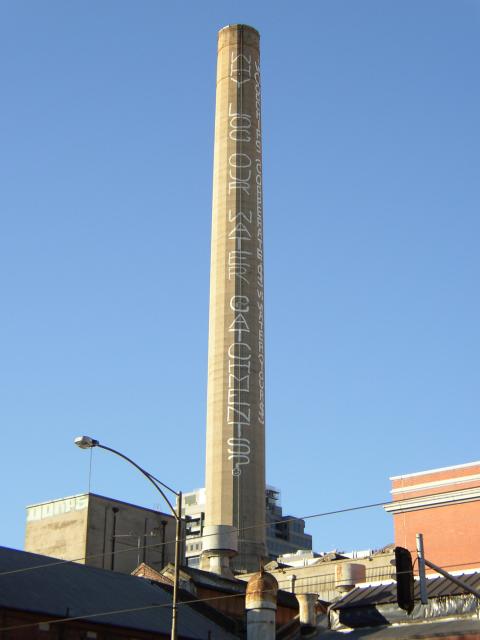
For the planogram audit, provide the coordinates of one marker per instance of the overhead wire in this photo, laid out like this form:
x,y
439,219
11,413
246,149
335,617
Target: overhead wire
x,y
184,539
146,607
89,616
163,605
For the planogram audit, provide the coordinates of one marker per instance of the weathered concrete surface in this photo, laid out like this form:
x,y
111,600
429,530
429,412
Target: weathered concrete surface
x,y
100,532
58,528
235,466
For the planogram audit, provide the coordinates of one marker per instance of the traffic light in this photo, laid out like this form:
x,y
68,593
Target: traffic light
x,y
404,578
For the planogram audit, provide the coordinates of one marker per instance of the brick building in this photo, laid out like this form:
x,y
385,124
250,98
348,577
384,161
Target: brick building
x,y
44,598
444,505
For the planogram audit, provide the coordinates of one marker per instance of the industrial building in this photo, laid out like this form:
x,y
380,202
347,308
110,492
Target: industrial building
x,y
444,505
332,574
284,533
100,532
111,534
236,524
44,599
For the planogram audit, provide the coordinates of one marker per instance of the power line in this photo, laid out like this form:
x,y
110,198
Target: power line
x,y
184,539
118,611
160,544
157,606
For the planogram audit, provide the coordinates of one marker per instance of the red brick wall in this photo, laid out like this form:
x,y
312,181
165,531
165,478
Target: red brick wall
x,y
28,629
451,528
451,535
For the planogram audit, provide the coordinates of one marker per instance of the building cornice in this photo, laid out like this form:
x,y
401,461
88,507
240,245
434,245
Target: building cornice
x,y
434,484
436,500
439,470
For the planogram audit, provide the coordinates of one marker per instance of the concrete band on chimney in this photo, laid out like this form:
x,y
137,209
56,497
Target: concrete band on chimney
x,y
235,459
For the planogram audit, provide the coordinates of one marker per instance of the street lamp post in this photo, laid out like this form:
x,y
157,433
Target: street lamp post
x,y
85,442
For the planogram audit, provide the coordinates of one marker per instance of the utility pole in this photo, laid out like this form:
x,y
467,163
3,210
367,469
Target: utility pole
x,y
421,569
441,571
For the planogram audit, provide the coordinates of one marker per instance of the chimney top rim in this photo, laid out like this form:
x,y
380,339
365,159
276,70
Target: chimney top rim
x,y
239,26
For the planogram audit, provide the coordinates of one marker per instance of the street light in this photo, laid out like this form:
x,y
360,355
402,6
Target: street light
x,y
85,442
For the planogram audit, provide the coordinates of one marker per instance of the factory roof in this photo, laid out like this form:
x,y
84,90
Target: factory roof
x,y
232,585
387,593
426,630
57,589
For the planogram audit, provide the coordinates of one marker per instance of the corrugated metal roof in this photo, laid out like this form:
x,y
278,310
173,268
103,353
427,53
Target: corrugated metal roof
x,y
70,590
213,580
425,630
382,594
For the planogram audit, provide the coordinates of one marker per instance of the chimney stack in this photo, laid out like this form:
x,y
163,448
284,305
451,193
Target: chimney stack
x,y
235,463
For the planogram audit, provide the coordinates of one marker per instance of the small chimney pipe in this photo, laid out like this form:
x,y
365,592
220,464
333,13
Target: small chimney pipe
x,y
261,606
308,615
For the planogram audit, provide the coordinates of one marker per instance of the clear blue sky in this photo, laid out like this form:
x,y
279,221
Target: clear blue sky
x,y
371,171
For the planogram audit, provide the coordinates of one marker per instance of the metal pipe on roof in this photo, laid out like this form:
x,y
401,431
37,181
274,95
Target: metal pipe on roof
x,y
453,579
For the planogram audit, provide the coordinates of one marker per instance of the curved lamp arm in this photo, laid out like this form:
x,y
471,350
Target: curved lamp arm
x,y
85,442
156,483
